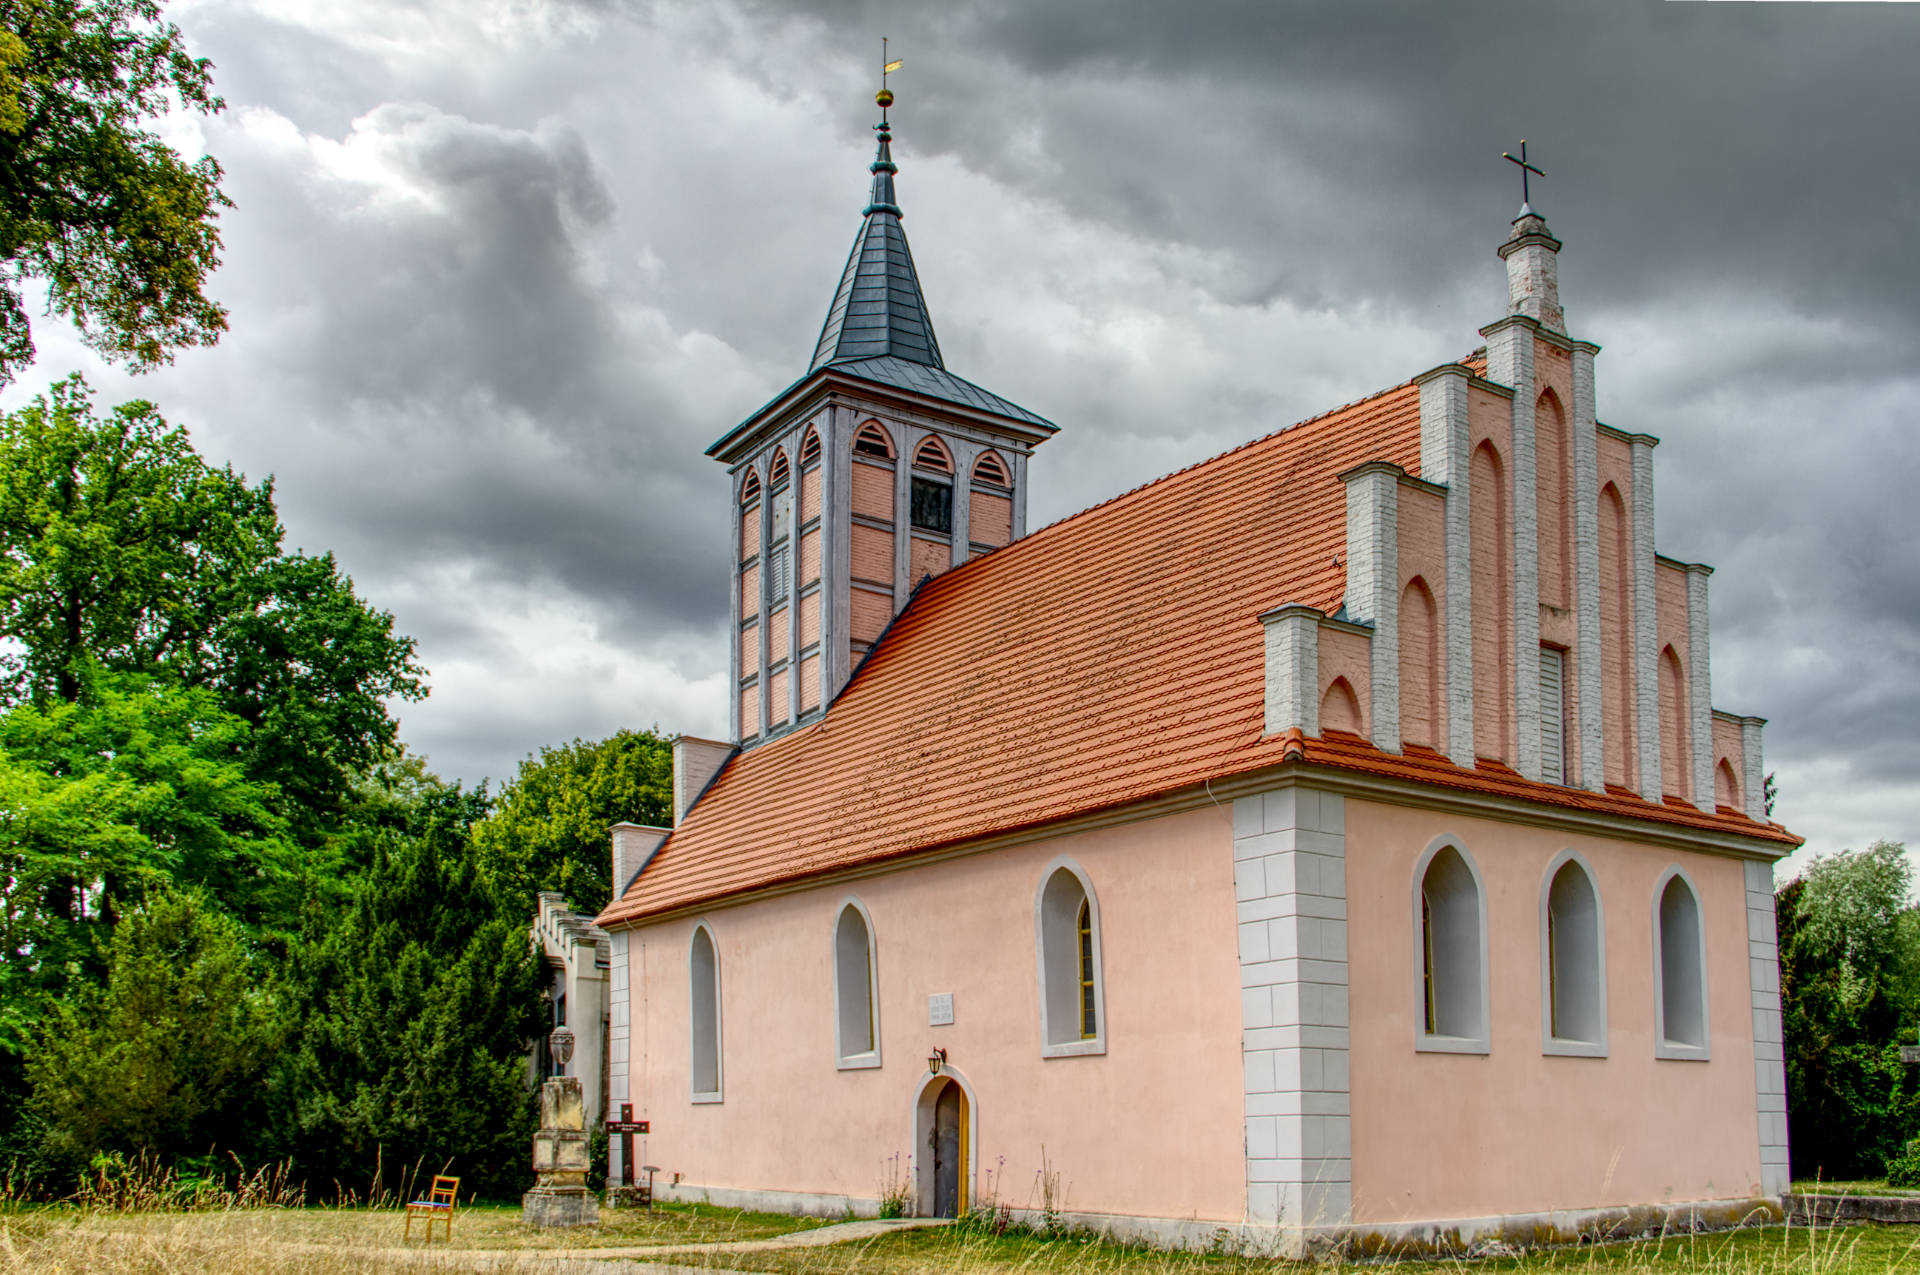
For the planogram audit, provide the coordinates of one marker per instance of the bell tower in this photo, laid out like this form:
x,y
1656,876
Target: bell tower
x,y
875,470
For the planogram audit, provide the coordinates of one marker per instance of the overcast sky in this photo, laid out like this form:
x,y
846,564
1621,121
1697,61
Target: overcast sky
x,y
499,272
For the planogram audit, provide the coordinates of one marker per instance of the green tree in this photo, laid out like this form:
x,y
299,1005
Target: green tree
x,y
1847,970
121,548
166,1059
549,829
419,999
119,228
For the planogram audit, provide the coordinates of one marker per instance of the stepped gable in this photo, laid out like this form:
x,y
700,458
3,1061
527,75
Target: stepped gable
x,y
1110,657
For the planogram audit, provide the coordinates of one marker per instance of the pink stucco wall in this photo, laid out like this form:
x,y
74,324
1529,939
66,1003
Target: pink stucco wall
x,y
1439,1136
1153,1127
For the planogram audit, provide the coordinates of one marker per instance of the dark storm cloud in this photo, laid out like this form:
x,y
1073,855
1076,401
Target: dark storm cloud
x,y
500,272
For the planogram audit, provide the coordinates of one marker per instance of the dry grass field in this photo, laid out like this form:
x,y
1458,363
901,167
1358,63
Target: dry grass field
x,y
294,1241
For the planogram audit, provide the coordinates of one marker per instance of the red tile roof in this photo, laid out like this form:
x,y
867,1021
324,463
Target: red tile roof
x,y
1112,656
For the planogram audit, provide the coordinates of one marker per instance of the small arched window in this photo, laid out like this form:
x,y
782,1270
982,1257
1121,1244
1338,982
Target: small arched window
x,y
1450,927
810,448
750,488
991,470
1680,968
932,454
703,979
780,475
1573,973
1340,708
856,1011
871,440
1073,1017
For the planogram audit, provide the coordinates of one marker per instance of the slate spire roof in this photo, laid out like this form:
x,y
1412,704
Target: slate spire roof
x,y
878,311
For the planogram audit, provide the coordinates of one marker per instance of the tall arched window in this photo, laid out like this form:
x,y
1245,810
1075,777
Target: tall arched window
x,y
810,448
1073,1014
1492,603
1676,762
1680,969
703,982
1450,961
856,1007
1573,961
1419,665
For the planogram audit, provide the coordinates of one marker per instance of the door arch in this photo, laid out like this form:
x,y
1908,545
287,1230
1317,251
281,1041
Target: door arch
x,y
945,1132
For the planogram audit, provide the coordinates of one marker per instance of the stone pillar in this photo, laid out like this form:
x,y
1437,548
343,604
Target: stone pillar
x,y
1290,883
1699,706
1532,255
1753,769
1443,459
1646,622
1293,669
1373,596
1769,1065
560,1196
1587,666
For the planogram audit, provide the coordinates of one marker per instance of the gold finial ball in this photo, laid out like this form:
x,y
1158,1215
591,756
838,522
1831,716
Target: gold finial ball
x,y
884,98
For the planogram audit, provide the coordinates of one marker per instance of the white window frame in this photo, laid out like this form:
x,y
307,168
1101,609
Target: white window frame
x,y
717,1093
1432,1042
1565,1046
1674,1050
1073,1045
868,1059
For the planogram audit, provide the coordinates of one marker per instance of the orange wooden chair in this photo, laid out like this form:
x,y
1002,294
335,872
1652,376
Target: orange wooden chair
x,y
437,1207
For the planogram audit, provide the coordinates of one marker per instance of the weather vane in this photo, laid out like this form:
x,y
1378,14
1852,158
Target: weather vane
x,y
1526,170
885,96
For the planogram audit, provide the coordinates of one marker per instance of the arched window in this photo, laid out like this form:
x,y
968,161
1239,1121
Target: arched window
x,y
1450,928
1573,961
932,454
1490,519
1073,1016
856,1011
780,475
991,470
750,488
871,440
780,550
1680,966
703,980
810,448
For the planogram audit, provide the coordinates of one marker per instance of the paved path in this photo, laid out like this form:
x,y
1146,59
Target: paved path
x,y
625,1260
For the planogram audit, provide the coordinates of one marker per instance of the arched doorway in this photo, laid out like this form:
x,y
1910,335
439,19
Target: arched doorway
x,y
943,1117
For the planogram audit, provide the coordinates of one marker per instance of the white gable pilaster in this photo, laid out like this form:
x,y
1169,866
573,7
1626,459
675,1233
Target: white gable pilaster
x,y
1753,770
1443,459
1293,669
1373,597
1510,362
1646,627
1699,707
1587,666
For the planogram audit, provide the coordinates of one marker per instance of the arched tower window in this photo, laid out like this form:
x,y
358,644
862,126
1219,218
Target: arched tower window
x,y
932,507
810,448
856,1011
1450,927
1551,502
1573,960
750,488
990,469
780,545
1067,939
703,979
1680,966
872,440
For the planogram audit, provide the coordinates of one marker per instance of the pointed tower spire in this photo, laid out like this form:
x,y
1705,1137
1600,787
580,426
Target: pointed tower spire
x,y
878,310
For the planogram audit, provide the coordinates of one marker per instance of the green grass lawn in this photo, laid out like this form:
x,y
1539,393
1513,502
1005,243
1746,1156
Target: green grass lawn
x,y
1864,1187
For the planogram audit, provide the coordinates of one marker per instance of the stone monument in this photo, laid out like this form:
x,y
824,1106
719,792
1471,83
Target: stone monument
x,y
560,1196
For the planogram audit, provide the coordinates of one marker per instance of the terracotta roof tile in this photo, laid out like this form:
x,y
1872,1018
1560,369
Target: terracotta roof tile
x,y
1109,657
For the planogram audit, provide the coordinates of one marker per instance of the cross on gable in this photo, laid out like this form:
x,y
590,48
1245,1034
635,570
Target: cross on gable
x,y
1526,170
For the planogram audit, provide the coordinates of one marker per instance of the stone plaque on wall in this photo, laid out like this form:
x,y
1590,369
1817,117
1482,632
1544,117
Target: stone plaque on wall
x,y
940,1009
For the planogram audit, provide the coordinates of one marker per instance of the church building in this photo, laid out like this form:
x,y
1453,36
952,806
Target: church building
x,y
1332,841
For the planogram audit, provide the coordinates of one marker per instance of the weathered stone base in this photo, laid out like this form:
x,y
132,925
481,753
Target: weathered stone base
x,y
1854,1208
628,1197
1481,1236
549,1206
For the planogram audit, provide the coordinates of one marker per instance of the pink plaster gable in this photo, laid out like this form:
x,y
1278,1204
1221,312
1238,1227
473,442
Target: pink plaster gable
x,y
1171,1138
1440,1136
1347,657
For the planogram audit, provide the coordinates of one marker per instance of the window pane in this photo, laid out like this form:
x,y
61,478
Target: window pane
x,y
932,506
